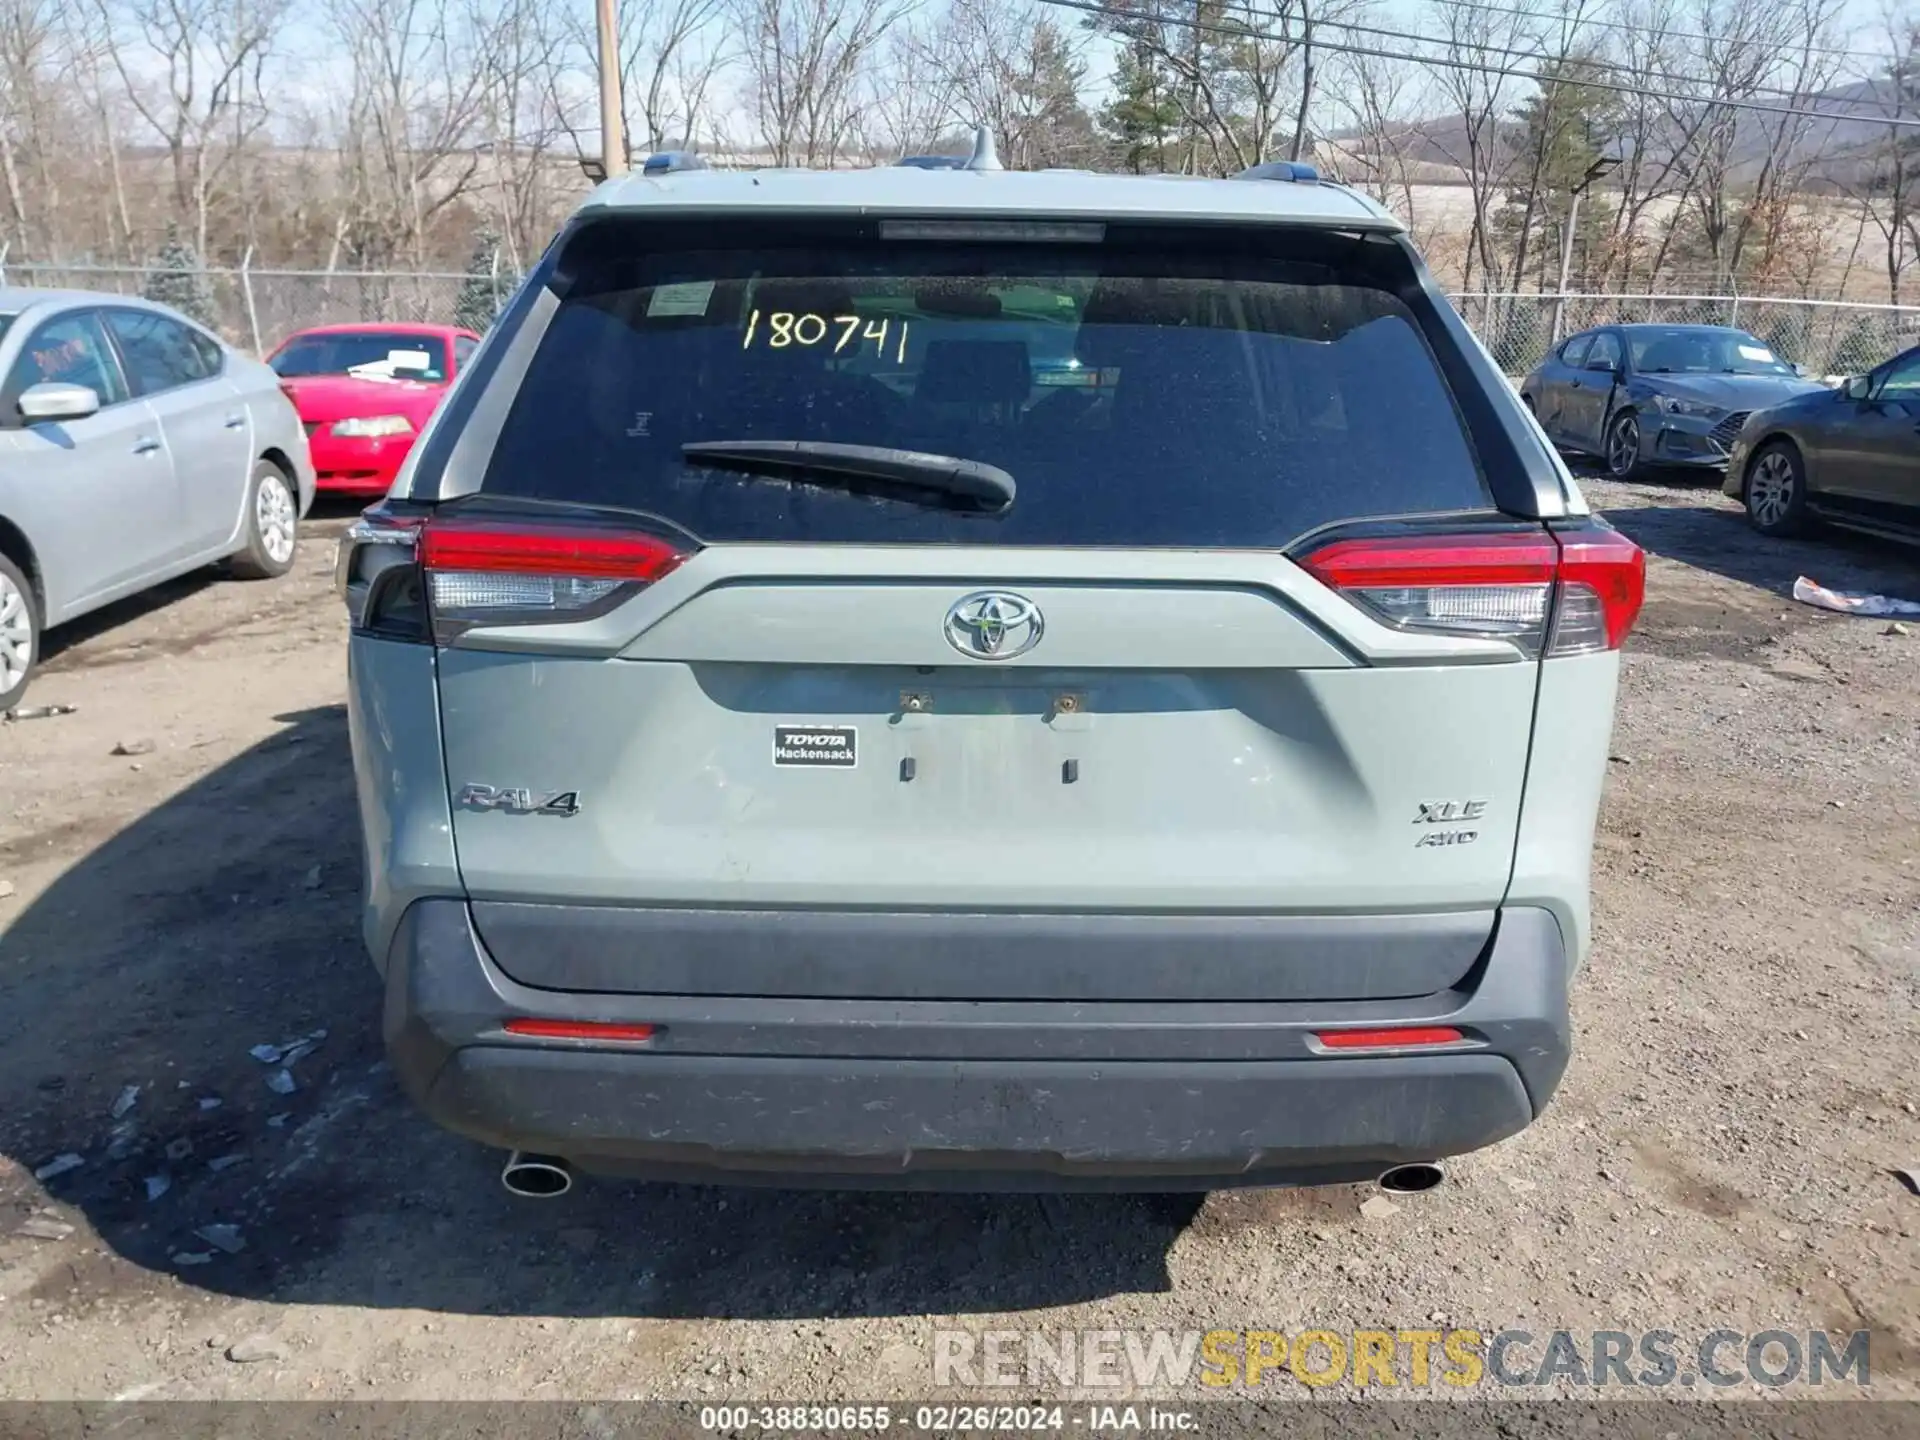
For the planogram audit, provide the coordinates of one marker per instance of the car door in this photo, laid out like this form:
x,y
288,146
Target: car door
x,y
178,371
1874,463
96,496
1590,393
1557,375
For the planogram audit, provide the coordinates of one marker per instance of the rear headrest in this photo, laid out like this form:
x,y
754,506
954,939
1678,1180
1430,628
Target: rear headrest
x,y
805,295
975,372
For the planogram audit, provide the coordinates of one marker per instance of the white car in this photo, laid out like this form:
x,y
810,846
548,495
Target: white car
x,y
134,446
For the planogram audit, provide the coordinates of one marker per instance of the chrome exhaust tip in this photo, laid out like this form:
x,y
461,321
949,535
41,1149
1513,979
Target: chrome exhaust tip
x,y
1412,1179
536,1177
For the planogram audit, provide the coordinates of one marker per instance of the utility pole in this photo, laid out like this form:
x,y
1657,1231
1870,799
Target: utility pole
x,y
1602,166
613,137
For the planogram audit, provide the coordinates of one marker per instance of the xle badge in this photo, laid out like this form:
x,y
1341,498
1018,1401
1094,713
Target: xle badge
x,y
828,745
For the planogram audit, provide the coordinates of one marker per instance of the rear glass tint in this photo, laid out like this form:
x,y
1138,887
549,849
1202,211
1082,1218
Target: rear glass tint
x,y
1162,397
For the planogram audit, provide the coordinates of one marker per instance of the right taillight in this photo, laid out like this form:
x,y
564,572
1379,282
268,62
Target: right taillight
x,y
1586,584
1603,580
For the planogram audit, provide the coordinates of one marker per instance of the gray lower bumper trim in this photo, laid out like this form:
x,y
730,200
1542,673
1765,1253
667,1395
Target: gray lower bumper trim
x,y
943,956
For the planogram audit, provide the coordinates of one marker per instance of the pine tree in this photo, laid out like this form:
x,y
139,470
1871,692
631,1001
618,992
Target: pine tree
x,y
485,288
177,279
1144,113
1057,128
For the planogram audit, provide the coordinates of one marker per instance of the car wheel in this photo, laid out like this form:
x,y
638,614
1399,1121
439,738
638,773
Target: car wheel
x,y
19,634
273,525
1777,490
1623,446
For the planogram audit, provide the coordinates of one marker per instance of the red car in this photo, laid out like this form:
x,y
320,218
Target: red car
x,y
364,392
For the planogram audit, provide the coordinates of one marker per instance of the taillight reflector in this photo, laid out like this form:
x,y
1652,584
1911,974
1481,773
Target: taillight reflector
x,y
1393,1038
578,1029
1496,586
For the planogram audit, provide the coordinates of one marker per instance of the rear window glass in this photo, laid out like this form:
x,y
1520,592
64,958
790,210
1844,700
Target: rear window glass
x,y
1138,398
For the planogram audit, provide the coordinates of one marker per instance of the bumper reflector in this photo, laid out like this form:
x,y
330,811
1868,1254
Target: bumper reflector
x,y
578,1030
1396,1038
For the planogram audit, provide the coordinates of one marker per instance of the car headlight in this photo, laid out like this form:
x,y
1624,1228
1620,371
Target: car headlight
x,y
372,427
1697,409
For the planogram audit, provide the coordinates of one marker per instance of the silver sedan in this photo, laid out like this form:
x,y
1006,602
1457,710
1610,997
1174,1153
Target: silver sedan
x,y
134,446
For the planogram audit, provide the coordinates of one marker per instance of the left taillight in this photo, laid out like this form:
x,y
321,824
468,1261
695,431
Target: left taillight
x,y
1586,584
482,572
424,578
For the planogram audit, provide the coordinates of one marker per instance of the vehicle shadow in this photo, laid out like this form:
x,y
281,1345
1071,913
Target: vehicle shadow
x,y
227,918
1720,540
96,623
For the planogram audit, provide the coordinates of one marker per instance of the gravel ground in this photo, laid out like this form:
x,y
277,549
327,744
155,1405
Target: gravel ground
x,y
1719,1154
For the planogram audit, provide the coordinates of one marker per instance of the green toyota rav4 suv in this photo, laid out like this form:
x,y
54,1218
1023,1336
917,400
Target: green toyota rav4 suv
x,y
969,679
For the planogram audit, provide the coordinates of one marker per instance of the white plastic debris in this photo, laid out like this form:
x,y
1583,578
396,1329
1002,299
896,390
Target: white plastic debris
x,y
158,1185
192,1257
223,1237
209,1102
281,1082
288,1051
224,1162
59,1165
1851,602
128,1097
120,1139
43,1227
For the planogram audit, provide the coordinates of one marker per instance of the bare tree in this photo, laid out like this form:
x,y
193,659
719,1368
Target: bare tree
x,y
193,72
413,120
804,60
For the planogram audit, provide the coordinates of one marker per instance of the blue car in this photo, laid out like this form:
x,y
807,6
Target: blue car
x,y
1641,396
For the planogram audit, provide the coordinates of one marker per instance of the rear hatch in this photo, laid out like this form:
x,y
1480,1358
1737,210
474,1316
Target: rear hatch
x,y
1161,581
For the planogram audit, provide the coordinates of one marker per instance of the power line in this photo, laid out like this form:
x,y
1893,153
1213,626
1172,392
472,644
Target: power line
x,y
1108,12
1542,56
1645,33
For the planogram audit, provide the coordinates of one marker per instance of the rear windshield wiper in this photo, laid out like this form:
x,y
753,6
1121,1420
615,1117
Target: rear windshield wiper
x,y
824,462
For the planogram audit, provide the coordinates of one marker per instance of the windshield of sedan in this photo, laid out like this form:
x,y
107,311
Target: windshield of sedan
x,y
364,355
1703,352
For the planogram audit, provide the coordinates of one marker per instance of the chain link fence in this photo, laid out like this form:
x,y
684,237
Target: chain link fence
x,y
256,309
1826,337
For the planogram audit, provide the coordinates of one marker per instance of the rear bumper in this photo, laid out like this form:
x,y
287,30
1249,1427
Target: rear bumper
x,y
973,1094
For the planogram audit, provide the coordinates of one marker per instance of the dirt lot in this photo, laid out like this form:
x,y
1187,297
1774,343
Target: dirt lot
x,y
1719,1153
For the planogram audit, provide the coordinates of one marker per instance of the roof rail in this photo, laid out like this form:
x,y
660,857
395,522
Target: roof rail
x,y
1293,170
671,162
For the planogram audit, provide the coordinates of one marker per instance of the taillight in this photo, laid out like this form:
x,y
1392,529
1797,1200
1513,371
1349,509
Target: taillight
x,y
491,572
1587,584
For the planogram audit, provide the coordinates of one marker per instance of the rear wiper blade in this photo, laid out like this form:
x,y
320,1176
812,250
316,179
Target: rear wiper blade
x,y
825,462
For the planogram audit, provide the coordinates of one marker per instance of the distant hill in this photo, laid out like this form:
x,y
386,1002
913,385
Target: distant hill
x,y
1837,151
